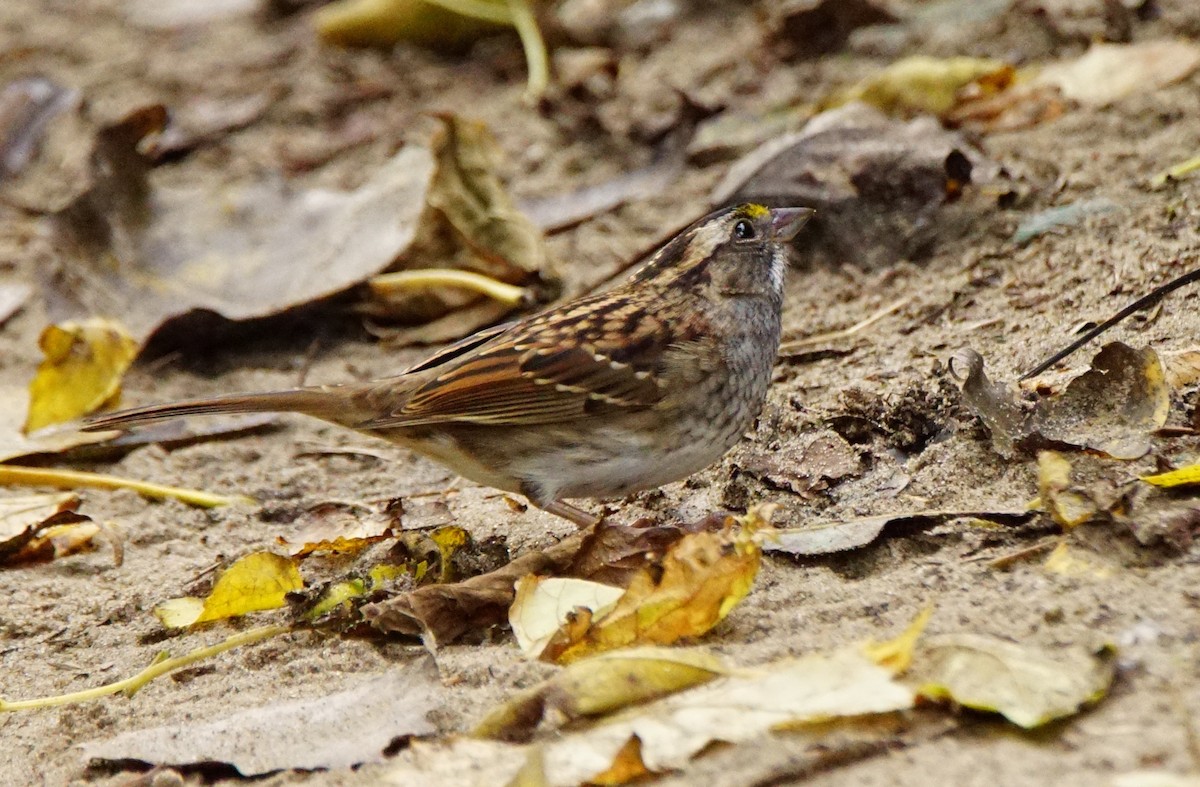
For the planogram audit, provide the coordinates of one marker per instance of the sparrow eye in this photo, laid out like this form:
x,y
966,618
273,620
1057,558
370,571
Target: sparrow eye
x,y
743,230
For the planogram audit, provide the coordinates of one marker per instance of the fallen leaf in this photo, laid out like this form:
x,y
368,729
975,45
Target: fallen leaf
x,y
1183,476
599,685
441,613
14,443
880,186
823,538
342,527
806,465
27,106
1108,73
703,576
1112,408
1026,685
1070,561
260,580
384,22
741,707
26,522
896,654
81,372
460,762
1068,506
543,605
1182,368
168,258
923,84
336,731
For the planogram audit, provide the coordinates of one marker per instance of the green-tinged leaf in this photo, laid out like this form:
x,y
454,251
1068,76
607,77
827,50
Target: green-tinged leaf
x,y
1027,685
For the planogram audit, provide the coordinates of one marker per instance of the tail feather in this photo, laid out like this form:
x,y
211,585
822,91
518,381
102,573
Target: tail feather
x,y
318,402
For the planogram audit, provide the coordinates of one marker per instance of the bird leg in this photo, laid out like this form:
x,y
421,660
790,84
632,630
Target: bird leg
x,y
580,517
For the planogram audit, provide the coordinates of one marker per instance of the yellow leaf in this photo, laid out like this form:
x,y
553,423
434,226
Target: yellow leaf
x,y
1067,506
449,539
626,766
1184,476
81,371
895,655
260,580
1071,563
703,577
544,604
602,684
927,84
384,22
1027,686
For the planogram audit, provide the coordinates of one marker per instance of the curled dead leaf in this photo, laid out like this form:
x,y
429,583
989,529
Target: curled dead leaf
x,y
1112,408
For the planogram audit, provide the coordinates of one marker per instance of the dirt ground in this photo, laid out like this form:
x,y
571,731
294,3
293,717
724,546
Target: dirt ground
x,y
80,621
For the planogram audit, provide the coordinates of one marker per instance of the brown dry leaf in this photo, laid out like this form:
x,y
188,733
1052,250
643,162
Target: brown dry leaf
x,y
703,576
1108,73
1182,368
342,527
823,538
81,372
442,613
600,685
1067,505
28,527
1113,408
337,731
260,580
165,256
881,187
543,605
1026,685
807,465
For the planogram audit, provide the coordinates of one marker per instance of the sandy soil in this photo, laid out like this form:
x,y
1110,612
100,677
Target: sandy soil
x,y
81,621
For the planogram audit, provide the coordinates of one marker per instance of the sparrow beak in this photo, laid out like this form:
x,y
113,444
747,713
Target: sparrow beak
x,y
786,222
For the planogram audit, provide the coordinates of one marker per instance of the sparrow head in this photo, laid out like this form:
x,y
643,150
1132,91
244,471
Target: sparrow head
x,y
738,251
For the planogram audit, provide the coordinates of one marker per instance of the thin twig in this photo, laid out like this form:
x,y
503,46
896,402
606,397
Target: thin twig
x,y
824,338
1145,301
160,666
73,479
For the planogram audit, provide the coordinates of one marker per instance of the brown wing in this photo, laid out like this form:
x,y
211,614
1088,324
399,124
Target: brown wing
x,y
604,353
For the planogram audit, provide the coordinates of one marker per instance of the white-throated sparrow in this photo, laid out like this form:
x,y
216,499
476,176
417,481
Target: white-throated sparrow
x,y
607,395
